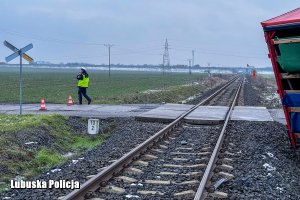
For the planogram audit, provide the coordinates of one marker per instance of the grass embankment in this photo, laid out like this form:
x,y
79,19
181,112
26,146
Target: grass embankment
x,y
122,87
31,144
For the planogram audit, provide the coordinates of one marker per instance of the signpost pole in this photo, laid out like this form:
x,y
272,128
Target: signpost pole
x,y
21,77
21,53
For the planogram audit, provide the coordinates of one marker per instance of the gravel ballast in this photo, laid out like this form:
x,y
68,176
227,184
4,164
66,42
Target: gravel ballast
x,y
251,96
261,92
127,134
217,85
264,165
183,138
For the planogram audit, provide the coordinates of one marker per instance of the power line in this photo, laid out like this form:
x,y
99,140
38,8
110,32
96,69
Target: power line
x,y
136,51
204,49
140,51
63,58
149,48
219,54
101,56
47,39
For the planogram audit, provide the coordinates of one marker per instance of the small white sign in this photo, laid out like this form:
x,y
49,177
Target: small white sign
x,y
93,126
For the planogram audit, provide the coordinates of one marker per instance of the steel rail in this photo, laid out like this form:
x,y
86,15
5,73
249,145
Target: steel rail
x,y
99,179
206,176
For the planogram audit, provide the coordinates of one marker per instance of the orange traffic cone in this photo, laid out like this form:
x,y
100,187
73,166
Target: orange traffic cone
x,y
43,104
70,101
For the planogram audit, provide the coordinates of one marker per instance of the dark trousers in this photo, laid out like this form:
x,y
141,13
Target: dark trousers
x,y
82,91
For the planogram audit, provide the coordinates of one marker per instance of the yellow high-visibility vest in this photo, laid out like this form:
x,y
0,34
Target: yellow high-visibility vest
x,y
84,82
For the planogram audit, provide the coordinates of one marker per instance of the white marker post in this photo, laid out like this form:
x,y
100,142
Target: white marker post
x,y
21,53
93,126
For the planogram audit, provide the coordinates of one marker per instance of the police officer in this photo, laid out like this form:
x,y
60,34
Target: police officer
x,y
83,84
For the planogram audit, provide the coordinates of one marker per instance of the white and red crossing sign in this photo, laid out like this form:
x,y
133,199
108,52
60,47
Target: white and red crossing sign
x,y
17,52
21,53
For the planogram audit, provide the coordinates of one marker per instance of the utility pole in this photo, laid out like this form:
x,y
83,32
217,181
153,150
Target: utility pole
x,y
190,68
193,57
163,66
166,57
108,46
209,72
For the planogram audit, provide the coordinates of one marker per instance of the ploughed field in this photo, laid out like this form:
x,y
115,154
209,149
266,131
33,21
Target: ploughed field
x,y
122,87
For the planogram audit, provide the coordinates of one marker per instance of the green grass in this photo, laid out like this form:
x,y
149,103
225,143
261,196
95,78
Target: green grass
x,y
19,122
48,158
3,188
81,143
56,84
18,159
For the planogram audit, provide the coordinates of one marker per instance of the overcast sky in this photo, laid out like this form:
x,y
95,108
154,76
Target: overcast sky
x,y
222,32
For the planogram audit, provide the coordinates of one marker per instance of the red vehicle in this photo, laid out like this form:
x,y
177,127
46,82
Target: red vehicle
x,y
282,35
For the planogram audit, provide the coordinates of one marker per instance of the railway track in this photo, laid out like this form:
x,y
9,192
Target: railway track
x,y
175,162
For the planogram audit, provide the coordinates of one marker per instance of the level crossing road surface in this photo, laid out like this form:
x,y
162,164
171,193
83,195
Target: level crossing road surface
x,y
150,111
100,110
